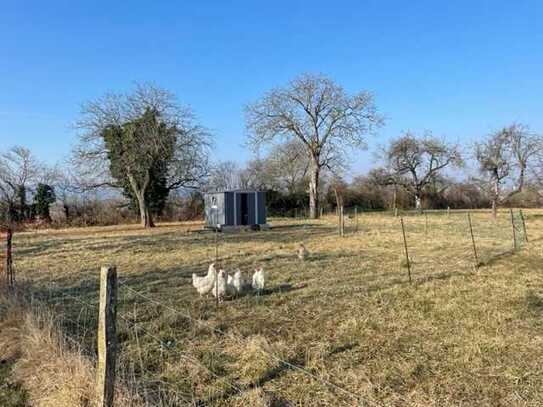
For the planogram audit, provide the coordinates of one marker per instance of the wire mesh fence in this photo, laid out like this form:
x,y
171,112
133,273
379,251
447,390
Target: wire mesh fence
x,y
170,353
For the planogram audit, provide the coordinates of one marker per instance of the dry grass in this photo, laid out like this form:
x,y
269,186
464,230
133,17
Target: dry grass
x,y
346,315
52,369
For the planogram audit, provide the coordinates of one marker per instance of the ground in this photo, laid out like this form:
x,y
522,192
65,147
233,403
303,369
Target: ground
x,y
345,327
11,394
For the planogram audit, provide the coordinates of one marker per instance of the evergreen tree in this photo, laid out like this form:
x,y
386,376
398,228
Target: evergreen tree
x,y
22,207
44,198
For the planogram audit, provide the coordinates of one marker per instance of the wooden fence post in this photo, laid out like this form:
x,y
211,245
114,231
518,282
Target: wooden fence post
x,y
513,229
473,242
395,212
523,225
107,337
406,251
448,211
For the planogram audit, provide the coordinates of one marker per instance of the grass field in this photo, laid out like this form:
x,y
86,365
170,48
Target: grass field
x,y
344,327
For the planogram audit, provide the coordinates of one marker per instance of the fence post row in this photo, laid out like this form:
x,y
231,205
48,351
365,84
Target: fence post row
x,y
406,251
473,242
513,229
107,337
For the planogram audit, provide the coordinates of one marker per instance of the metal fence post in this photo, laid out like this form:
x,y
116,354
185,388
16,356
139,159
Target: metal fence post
x,y
425,223
356,217
10,275
513,229
523,225
473,242
341,221
406,251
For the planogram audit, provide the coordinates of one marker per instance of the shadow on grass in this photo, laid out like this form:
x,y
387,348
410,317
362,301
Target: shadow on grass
x,y
270,375
534,303
490,261
279,289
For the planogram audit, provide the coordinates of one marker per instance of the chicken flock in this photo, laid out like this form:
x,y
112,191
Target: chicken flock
x,y
221,284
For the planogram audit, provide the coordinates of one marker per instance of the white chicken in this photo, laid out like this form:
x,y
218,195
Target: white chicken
x,y
259,280
220,289
302,252
237,284
204,284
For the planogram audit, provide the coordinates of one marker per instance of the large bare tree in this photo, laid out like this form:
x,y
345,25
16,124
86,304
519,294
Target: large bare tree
x,y
321,115
143,142
416,163
504,158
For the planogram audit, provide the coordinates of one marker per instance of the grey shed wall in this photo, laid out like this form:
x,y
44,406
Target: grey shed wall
x,y
229,211
215,216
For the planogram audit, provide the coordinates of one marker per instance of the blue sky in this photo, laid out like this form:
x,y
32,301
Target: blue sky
x,y
460,69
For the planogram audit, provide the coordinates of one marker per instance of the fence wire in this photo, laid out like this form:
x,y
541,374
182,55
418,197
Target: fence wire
x,y
439,245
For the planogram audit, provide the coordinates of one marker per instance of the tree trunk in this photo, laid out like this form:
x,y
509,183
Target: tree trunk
x,y
418,202
314,191
66,212
146,218
495,198
494,208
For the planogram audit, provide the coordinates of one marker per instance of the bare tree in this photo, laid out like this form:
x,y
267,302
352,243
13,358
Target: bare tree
x,y
416,163
321,115
503,159
19,171
224,175
288,164
258,175
144,143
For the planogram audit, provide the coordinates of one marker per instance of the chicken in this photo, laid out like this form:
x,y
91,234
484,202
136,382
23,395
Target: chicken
x,y
237,284
302,252
220,289
259,280
205,284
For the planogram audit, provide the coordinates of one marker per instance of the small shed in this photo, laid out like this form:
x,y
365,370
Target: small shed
x,y
233,209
